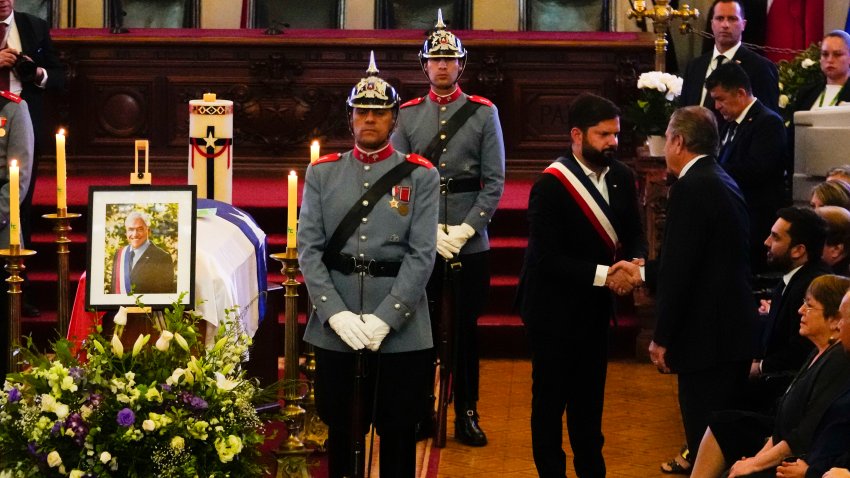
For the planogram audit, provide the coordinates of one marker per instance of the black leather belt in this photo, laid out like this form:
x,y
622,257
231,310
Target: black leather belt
x,y
348,264
452,185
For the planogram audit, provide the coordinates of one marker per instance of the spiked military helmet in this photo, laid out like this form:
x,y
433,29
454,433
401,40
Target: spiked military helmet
x,y
373,92
442,43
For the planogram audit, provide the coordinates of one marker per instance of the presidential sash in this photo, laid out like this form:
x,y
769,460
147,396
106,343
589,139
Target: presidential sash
x,y
588,198
121,276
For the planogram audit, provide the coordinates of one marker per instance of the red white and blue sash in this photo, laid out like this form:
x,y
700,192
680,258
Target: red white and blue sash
x,y
588,198
121,276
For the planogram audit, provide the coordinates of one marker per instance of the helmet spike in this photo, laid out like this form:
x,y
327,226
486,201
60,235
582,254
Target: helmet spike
x,y
440,25
373,68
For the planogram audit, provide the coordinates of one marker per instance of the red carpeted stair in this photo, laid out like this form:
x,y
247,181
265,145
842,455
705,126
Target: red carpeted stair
x,y
500,329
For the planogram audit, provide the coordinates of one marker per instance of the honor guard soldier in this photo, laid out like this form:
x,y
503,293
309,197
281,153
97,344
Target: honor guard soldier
x,y
461,135
366,248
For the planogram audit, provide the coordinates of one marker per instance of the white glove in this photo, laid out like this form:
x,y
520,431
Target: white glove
x,y
377,330
444,247
458,235
350,329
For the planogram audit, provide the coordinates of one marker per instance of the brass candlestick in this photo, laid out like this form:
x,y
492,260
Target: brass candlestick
x,y
291,456
62,228
14,256
662,14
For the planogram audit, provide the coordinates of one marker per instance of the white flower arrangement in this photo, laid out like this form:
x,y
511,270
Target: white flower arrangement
x,y
657,93
162,411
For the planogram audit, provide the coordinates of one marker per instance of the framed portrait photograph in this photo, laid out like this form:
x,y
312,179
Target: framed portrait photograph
x,y
141,245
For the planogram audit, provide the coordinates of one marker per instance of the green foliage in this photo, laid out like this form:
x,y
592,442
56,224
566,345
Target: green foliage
x,y
803,69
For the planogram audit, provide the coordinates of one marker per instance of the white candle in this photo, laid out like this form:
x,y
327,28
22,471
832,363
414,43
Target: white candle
x,y
61,177
291,209
314,151
14,203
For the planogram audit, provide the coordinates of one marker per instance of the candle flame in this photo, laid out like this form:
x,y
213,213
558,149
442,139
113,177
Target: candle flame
x,y
293,173
14,163
315,142
62,131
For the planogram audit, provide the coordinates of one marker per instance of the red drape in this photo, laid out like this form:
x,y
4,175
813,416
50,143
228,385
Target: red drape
x,y
793,24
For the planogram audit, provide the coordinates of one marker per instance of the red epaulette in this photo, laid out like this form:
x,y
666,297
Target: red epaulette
x,y
328,158
413,102
420,160
480,99
10,96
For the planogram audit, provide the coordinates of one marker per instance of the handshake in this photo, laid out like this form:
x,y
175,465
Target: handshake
x,y
359,334
624,277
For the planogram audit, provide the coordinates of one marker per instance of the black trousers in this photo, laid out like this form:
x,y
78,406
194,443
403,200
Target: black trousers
x,y
471,287
568,374
393,391
704,392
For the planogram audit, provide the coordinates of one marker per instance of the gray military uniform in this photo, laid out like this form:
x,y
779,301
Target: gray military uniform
x,y
476,151
15,143
331,188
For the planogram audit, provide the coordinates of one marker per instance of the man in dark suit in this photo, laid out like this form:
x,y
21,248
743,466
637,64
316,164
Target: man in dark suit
x,y
728,24
754,151
583,217
28,66
141,267
704,306
795,245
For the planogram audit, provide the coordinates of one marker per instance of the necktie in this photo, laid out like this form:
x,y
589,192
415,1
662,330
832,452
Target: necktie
x,y
775,305
132,256
717,61
730,132
4,72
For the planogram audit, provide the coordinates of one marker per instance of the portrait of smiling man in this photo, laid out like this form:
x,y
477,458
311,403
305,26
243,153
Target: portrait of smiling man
x,y
140,266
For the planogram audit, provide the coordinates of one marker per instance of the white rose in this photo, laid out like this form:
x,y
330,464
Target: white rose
x,y
53,459
783,101
148,425
120,316
105,457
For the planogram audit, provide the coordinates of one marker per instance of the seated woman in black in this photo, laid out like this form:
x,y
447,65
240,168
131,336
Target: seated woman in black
x,y
735,434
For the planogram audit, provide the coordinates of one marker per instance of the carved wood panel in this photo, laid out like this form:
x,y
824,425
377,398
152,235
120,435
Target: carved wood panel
x,y
290,89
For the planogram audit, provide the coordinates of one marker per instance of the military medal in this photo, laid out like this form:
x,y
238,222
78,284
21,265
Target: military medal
x,y
3,121
394,203
402,204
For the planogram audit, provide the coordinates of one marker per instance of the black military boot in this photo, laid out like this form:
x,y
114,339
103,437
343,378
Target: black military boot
x,y
467,430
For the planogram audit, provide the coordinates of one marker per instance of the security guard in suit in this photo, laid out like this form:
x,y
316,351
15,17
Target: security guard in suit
x,y
367,284
472,177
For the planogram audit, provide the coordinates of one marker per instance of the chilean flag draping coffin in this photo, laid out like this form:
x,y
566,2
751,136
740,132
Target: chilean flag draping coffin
x,y
211,147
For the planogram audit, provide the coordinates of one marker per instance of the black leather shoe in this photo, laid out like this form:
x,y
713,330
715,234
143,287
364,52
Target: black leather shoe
x,y
467,430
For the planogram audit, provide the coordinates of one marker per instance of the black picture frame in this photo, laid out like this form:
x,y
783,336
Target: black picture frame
x,y
171,214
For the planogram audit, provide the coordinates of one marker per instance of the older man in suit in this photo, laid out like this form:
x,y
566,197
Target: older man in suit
x,y
728,24
140,266
754,151
705,310
583,217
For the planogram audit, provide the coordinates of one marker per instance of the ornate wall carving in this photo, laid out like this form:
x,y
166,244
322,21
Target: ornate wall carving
x,y
289,89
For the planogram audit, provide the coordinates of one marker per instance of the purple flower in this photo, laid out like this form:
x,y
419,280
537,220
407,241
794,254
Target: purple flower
x,y
57,428
126,417
94,400
76,373
14,395
195,402
165,387
76,424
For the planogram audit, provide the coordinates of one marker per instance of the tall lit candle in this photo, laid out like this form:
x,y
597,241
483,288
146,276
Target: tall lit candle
x,y
14,203
291,210
314,151
61,177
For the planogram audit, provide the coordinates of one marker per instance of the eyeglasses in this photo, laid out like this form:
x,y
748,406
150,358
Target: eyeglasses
x,y
807,308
